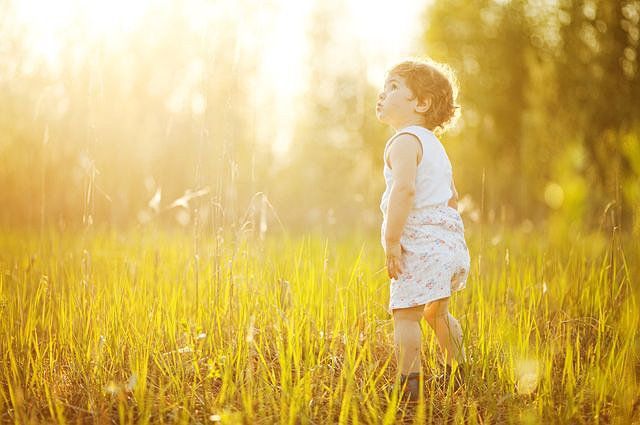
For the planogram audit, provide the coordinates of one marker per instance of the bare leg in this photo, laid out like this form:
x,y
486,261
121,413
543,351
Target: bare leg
x,y
407,338
447,329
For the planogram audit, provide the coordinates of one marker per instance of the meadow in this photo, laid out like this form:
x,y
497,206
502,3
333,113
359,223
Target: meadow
x,y
190,219
153,326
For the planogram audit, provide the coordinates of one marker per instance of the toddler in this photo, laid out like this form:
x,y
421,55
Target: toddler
x,y
422,232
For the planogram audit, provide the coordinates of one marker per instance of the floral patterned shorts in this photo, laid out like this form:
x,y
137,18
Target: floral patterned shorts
x,y
436,259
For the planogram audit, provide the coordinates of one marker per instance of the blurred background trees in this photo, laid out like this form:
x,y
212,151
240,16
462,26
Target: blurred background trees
x,y
550,115
165,123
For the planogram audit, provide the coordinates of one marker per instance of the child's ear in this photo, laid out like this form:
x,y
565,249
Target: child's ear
x,y
423,105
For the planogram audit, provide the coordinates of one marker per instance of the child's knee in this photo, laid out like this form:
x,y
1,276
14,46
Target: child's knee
x,y
436,309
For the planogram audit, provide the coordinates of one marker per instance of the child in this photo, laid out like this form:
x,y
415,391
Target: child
x,y
422,232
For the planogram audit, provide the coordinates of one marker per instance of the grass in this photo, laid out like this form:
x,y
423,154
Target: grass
x,y
106,327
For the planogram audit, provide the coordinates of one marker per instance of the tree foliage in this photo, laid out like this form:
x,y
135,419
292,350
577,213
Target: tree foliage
x,y
549,94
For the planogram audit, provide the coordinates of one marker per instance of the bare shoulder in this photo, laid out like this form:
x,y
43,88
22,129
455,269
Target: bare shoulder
x,y
405,148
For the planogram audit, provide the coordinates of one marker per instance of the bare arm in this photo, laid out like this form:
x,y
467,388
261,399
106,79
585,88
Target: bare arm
x,y
402,159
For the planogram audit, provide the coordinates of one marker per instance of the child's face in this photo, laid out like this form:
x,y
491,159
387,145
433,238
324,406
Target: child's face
x,y
395,105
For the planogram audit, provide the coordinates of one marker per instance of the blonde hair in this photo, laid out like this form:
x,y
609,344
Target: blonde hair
x,y
428,79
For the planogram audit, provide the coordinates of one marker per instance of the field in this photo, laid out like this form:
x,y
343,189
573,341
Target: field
x,y
160,327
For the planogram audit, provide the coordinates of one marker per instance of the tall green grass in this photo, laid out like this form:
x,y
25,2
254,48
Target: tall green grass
x,y
149,328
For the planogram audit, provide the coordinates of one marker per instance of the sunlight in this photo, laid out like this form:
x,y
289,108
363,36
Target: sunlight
x,y
49,23
388,32
276,33
380,33
199,225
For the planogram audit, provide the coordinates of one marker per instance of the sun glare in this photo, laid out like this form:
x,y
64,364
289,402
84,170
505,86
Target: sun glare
x,y
91,20
276,31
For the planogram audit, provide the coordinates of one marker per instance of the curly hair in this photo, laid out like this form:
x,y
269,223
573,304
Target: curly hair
x,y
428,79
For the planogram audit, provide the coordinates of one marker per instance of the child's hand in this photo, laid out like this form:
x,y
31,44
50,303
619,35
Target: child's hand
x,y
394,259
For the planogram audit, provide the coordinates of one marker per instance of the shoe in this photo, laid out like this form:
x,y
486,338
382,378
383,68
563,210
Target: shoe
x,y
458,376
409,386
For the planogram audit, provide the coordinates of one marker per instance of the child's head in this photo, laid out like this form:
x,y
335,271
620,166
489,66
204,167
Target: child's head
x,y
432,88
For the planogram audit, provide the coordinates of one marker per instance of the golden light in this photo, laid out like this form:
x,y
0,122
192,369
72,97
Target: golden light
x,y
527,375
276,33
47,25
554,195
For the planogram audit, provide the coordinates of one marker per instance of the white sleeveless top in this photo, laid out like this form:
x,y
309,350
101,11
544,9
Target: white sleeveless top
x,y
433,176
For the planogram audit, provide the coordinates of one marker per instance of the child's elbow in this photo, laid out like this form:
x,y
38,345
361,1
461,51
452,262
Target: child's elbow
x,y
453,201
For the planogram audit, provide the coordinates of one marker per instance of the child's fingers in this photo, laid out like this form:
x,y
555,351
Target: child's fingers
x,y
391,269
394,267
397,268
